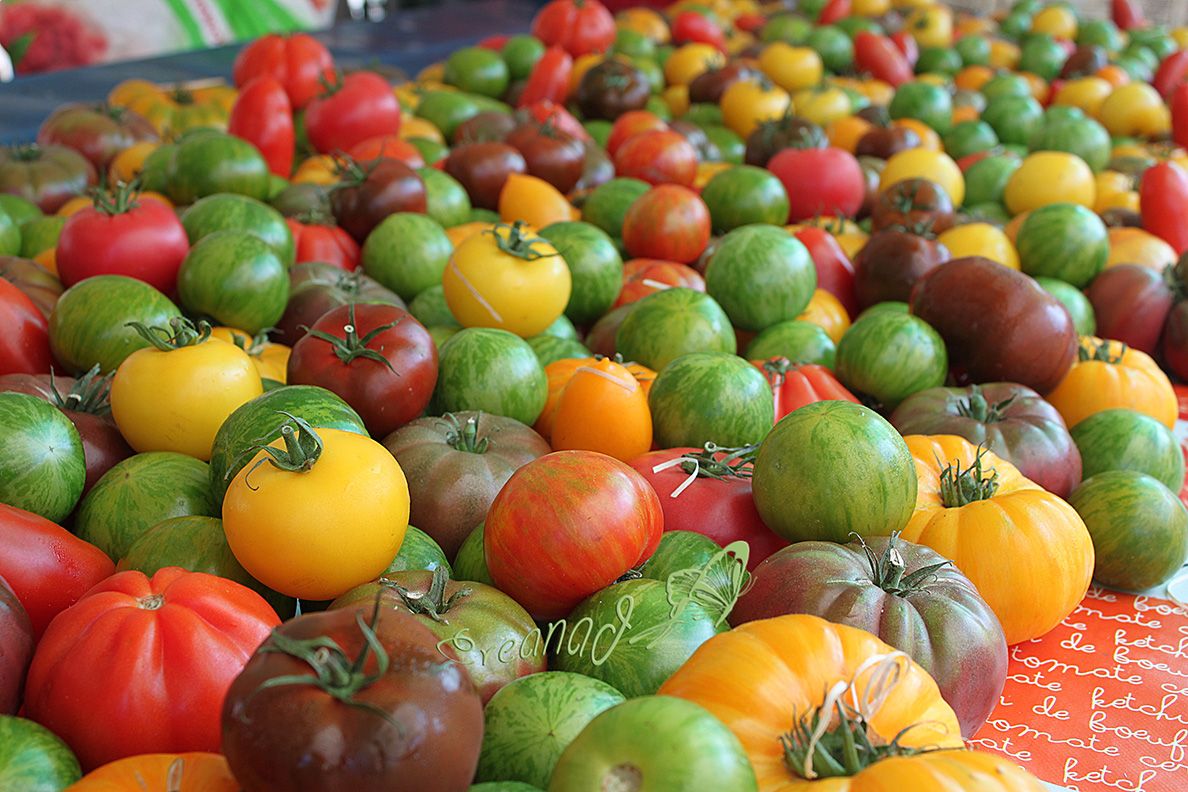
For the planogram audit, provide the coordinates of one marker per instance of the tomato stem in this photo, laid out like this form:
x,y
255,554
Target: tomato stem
x,y
887,571
120,200
960,487
89,394
1100,351
981,410
518,243
432,603
184,333
302,448
353,346
464,436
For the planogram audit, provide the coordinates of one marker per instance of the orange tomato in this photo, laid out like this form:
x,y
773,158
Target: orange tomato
x,y
1110,374
929,139
644,21
827,312
602,408
48,258
972,78
560,372
127,164
964,113
844,133
75,205
318,169
534,201
460,233
185,772
1136,246
1038,85
1114,75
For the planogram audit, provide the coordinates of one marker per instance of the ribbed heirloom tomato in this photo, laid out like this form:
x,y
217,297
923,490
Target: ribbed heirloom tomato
x,y
299,62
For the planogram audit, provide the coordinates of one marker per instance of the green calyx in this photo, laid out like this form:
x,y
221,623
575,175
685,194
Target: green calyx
x,y
252,345
181,333
302,449
119,200
351,345
334,672
737,462
518,243
888,570
1100,351
961,487
433,603
464,436
976,407
814,750
89,394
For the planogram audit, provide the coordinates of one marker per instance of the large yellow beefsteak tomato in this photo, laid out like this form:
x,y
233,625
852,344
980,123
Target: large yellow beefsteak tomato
x,y
1109,374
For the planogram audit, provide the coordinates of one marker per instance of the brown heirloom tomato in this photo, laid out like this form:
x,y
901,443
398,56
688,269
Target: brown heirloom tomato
x,y
999,325
612,88
913,202
340,702
890,264
49,176
98,132
371,191
16,649
549,153
1131,304
316,288
483,168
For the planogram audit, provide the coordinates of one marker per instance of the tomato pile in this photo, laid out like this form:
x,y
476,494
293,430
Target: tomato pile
x,y
707,394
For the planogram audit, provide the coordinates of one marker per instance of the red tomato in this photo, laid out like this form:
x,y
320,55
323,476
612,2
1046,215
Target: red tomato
x,y
835,271
166,650
493,42
834,11
1163,196
1179,114
263,116
794,386
378,358
668,222
644,276
880,58
299,62
750,22
358,107
717,503
1171,73
546,111
630,124
820,182
1127,14
24,334
390,146
577,26
659,157
602,519
326,243
141,238
549,79
690,26
906,43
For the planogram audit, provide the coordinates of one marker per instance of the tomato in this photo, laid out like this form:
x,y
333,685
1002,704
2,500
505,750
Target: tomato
x,y
913,202
32,565
980,239
549,79
483,168
892,262
24,344
692,26
263,115
534,202
889,355
795,385
16,649
657,157
642,277
575,492
602,408
34,758
176,642
205,162
510,279
1108,374
123,235
378,358
820,181
42,467
748,103
549,153
283,529
835,272
492,371
99,133
935,166
1163,195
174,111
577,26
357,107
299,63
205,379
630,124
347,715
1135,109
742,413
878,56
595,267
47,176
372,191
193,771
668,222
322,242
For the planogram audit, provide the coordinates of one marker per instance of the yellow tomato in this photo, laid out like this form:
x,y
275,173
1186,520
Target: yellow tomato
x,y
677,99
510,279
124,93
316,533
974,26
644,21
434,72
690,60
851,242
870,8
1110,183
1118,200
931,26
174,395
1087,93
929,139
1003,54
791,68
980,239
844,133
126,165
271,360
75,205
921,163
534,201
827,312
1136,246
413,127
1180,36
1057,21
318,169
747,103
1135,109
739,40
822,105
1048,177
878,92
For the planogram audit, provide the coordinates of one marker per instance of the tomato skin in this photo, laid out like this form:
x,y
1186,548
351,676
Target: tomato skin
x,y
361,106
577,26
298,62
834,11
146,242
794,386
643,276
657,157
630,124
48,176
381,188
46,566
549,79
721,509
668,222
879,56
690,26
387,146
174,643
1163,196
99,133
325,243
1179,113
835,271
1170,74
549,154
581,495
820,181
385,399
263,116
1127,14
24,342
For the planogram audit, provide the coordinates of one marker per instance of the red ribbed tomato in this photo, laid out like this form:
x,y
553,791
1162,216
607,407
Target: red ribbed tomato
x,y
797,385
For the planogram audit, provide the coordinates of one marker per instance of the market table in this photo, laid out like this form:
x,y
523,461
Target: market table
x,y
408,40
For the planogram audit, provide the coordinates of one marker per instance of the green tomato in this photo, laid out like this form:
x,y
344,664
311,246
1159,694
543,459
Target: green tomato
x,y
731,148
834,46
42,467
1041,54
490,370
34,759
938,60
228,212
797,340
986,179
973,50
520,53
1014,118
595,268
407,253
477,70
969,137
760,274
741,411
235,278
789,28
446,200
633,44
743,195
1122,439
10,235
890,356
667,324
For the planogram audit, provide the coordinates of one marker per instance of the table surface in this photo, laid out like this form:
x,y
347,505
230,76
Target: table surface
x,y
407,40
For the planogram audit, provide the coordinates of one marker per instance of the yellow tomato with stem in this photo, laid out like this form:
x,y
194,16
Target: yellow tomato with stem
x,y
920,163
270,359
980,239
791,68
1135,109
1048,177
175,394
508,278
931,26
748,103
822,105
691,60
827,312
317,512
1087,93
1055,20
534,201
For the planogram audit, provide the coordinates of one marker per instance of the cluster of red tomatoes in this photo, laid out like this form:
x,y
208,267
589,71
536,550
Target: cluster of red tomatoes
x,y
653,398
